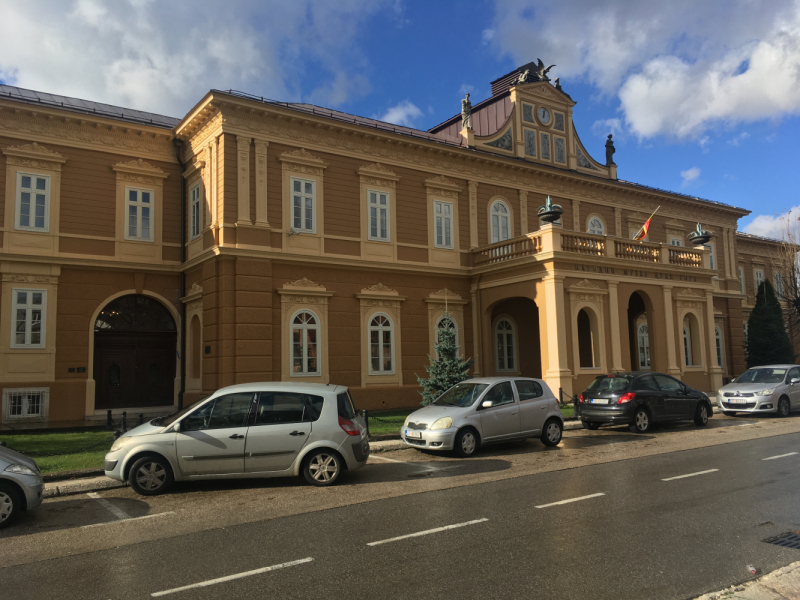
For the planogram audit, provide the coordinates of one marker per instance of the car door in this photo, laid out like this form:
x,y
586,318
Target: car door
x,y
532,406
211,439
280,429
793,390
649,393
501,420
677,403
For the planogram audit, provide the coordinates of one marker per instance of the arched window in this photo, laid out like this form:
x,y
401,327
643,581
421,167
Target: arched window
x,y
381,345
445,322
500,218
718,335
644,346
586,340
596,225
687,345
505,348
305,344
691,341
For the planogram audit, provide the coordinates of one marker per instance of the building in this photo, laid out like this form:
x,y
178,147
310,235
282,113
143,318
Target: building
x,y
147,260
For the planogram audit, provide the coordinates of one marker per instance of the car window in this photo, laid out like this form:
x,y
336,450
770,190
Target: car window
x,y
792,374
280,407
762,376
527,390
668,384
500,394
344,401
313,407
226,411
647,383
462,394
609,383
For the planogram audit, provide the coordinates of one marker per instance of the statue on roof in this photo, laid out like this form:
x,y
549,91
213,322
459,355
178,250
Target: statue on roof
x,y
558,85
610,151
466,113
524,77
542,72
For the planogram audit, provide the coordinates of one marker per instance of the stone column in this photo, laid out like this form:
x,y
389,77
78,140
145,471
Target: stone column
x,y
243,180
669,322
473,214
618,221
558,374
261,183
523,212
714,370
477,344
614,328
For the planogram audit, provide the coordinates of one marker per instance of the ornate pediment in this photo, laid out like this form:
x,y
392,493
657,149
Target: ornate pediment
x,y
302,161
379,288
139,171
586,284
377,174
34,155
690,293
445,293
442,186
304,283
301,153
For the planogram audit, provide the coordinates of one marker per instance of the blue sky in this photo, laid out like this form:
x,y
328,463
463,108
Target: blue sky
x,y
705,105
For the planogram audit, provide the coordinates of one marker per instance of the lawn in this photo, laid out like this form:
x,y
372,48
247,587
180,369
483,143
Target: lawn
x,y
36,445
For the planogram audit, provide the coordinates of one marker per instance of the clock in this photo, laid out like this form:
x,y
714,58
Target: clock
x,y
544,115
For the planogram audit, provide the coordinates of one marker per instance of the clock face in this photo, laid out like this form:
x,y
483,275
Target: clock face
x,y
544,115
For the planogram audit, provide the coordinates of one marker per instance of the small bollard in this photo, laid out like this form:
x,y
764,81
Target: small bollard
x,y
124,421
141,419
109,421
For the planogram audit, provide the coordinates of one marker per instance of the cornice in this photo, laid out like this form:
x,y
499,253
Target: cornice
x,y
138,171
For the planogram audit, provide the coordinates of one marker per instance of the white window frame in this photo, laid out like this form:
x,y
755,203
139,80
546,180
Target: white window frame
x,y
741,280
33,193
720,350
303,195
677,242
438,327
507,216
195,214
44,404
593,231
379,208
139,206
446,224
381,329
28,320
304,328
758,278
514,342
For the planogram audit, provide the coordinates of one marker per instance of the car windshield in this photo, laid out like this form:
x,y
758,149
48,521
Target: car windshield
x,y
170,419
609,383
762,376
463,394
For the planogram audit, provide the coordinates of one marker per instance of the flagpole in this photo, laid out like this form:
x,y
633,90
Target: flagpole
x,y
646,222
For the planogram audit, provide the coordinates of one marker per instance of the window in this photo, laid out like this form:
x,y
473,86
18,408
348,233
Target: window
x,y
280,407
381,345
33,206
644,346
647,383
500,394
505,350
139,209
712,262
305,344
29,318
741,280
303,205
500,222
194,211
668,384
225,412
718,336
675,242
443,223
778,284
378,216
25,403
596,226
759,277
528,390
687,346
447,323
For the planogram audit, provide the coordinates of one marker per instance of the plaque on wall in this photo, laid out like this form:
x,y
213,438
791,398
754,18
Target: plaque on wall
x,y
530,142
545,146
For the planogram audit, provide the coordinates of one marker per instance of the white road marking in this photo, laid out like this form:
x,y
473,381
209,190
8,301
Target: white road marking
x,y
232,577
779,456
402,462
426,532
117,512
690,475
427,467
571,500
171,512
746,424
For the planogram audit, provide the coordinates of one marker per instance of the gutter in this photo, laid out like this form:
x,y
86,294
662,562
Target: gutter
x,y
178,143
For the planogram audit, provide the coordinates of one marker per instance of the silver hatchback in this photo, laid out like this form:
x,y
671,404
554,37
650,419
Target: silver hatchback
x,y
21,485
249,430
483,411
767,389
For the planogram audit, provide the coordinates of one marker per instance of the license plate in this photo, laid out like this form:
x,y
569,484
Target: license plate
x,y
413,434
736,401
599,400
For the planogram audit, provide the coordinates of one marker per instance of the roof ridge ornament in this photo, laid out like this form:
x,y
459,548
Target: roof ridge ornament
x,y
540,73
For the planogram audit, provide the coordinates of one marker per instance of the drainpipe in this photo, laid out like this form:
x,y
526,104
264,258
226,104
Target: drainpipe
x,y
178,143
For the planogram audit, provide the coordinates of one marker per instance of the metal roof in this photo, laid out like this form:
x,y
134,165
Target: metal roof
x,y
86,107
687,196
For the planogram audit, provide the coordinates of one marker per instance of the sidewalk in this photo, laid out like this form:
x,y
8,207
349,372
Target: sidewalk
x,y
783,584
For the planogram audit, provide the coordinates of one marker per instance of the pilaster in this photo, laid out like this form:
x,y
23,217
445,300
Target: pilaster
x,y
669,321
477,336
243,180
558,374
576,215
473,214
523,211
615,329
261,183
715,371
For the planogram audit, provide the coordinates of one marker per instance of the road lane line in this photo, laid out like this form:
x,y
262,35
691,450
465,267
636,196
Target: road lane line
x,y
779,456
117,512
232,577
402,462
426,532
171,512
571,500
690,475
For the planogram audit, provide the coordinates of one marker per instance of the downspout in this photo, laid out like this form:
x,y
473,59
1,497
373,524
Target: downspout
x,y
178,143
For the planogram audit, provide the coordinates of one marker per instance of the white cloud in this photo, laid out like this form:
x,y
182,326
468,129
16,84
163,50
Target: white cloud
x,y
163,57
736,140
487,35
678,68
775,226
403,113
689,175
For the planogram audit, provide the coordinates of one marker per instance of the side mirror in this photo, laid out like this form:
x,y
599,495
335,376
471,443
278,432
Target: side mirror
x,y
794,380
487,404
176,427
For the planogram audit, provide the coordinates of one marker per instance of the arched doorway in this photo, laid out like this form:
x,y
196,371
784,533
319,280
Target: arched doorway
x,y
639,332
135,340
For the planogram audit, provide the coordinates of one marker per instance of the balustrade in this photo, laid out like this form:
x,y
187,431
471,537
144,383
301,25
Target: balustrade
x,y
639,251
685,257
594,245
520,247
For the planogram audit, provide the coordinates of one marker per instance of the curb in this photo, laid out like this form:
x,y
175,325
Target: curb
x,y
77,474
80,486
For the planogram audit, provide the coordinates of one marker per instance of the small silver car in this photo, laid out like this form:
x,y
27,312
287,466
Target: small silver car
x,y
767,389
247,430
21,485
483,411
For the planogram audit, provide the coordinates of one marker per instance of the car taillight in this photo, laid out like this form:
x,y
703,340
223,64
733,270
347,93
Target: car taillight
x,y
350,428
626,398
581,398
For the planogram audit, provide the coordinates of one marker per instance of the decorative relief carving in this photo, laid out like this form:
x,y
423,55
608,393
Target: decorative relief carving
x,y
583,161
690,293
689,304
292,299
196,304
301,153
35,149
445,293
504,142
304,283
34,156
377,182
586,297
442,186
139,168
367,303
29,279
378,175
378,168
195,289
586,284
379,288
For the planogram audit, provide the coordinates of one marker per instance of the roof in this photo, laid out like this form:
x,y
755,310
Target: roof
x,y
687,196
757,238
291,386
86,107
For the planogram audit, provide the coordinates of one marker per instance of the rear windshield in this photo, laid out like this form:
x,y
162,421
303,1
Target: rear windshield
x,y
609,384
462,394
762,376
347,410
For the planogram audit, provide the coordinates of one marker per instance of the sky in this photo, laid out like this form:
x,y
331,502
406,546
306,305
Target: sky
x,y
703,98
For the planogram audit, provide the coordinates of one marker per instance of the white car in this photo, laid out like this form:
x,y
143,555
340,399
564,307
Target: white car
x,y
483,411
771,389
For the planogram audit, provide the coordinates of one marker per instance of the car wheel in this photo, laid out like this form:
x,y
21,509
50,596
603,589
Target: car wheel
x,y
701,415
322,468
590,425
783,407
551,434
641,421
729,413
150,476
466,443
10,504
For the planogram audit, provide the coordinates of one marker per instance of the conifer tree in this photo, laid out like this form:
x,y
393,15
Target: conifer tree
x,y
447,369
767,340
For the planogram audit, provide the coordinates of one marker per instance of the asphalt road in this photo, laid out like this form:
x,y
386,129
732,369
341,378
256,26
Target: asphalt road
x,y
669,515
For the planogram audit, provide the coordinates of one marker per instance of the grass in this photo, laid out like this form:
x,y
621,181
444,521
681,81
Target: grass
x,y
37,444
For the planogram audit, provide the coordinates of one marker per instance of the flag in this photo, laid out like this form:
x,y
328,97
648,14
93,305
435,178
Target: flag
x,y
642,233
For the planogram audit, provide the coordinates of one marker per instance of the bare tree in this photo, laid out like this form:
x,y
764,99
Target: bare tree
x,y
786,270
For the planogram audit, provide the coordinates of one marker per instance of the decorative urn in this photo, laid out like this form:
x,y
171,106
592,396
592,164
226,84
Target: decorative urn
x,y
700,236
550,213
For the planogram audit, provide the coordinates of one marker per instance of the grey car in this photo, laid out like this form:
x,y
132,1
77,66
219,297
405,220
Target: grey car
x,y
768,389
484,411
249,430
21,485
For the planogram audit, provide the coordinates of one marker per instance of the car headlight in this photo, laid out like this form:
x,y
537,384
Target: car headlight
x,y
119,443
768,392
720,392
443,423
405,423
20,470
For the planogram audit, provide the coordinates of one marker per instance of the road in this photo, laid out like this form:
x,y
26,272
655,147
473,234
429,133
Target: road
x,y
608,514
